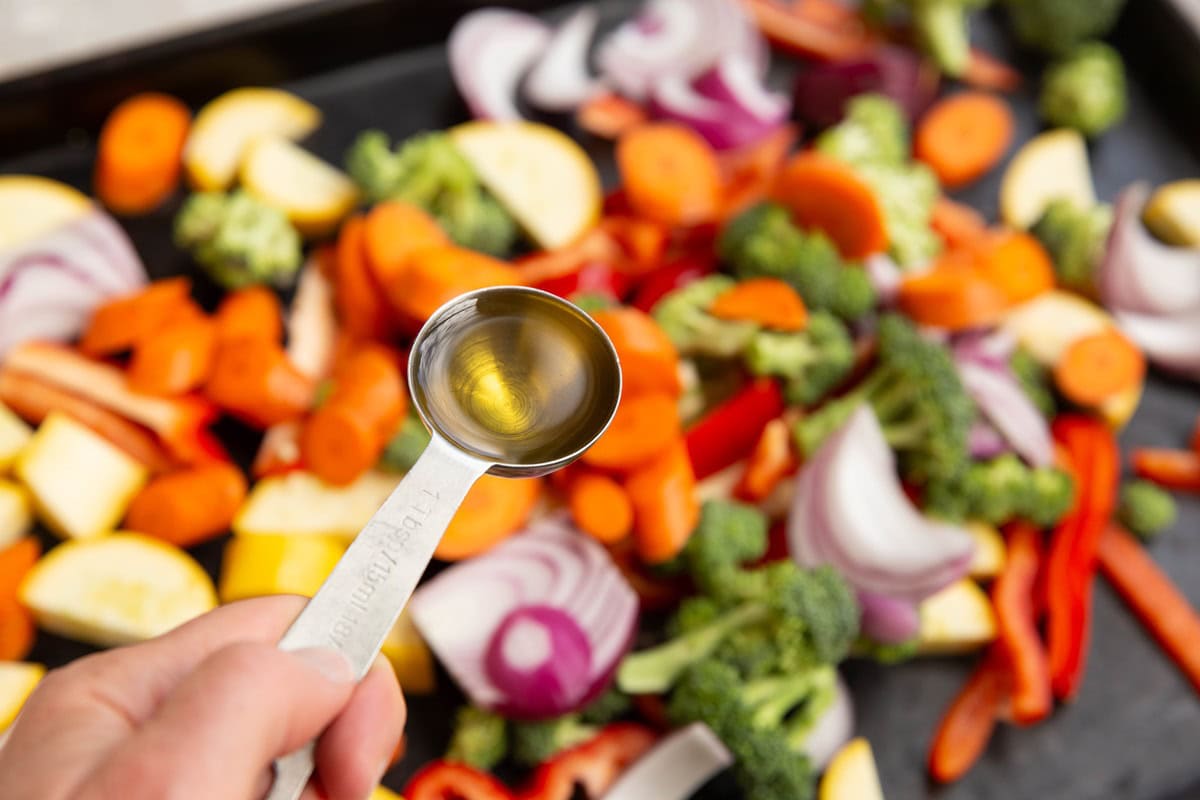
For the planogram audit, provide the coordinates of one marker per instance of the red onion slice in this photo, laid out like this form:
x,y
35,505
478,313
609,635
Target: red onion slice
x,y
550,565
722,125
984,441
490,51
735,82
540,660
1002,400
834,728
888,620
676,768
1170,342
822,91
560,80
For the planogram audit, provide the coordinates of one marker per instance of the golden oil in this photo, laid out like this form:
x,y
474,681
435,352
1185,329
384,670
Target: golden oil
x,y
516,377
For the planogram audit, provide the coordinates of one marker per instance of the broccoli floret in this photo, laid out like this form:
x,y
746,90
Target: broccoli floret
x,y
941,27
916,393
874,129
1000,490
1075,239
1085,90
480,738
238,240
1146,509
428,171
728,535
813,361
1058,26
1035,381
683,316
882,653
406,445
762,242
608,707
536,742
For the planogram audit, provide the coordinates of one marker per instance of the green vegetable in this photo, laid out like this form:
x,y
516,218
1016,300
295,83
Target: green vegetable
x,y
887,653
1000,490
916,393
1058,26
1075,239
1146,509
1035,380
942,28
1085,90
813,361
428,171
480,738
406,445
593,301
536,742
762,242
874,130
608,707
683,316
238,240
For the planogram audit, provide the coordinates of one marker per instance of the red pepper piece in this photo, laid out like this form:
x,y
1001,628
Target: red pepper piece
x,y
1013,597
594,765
594,277
668,278
1171,469
442,780
730,431
967,726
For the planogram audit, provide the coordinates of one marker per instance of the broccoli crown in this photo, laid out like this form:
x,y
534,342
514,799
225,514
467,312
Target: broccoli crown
x,y
1058,26
608,707
813,362
480,738
1146,509
238,240
536,742
728,535
884,653
762,242
874,129
1035,381
1085,90
1075,239
1003,489
683,316
428,171
916,393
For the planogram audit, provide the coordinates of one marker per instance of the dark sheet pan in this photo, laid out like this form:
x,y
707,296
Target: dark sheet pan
x,y
1134,733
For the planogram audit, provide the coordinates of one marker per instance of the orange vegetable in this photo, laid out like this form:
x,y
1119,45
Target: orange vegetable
x,y
597,245
120,324
437,275
644,426
253,379
1016,263
1016,624
608,115
393,232
644,242
493,510
17,631
1171,469
33,399
176,359
251,313
665,506
773,460
649,361
967,726
1195,441
964,136
656,592
770,302
670,174
1158,603
985,71
750,171
1097,367
140,152
957,223
953,297
826,194
359,300
600,507
15,562
188,507
819,36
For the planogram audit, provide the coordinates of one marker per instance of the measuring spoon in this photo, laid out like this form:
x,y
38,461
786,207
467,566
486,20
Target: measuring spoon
x,y
511,381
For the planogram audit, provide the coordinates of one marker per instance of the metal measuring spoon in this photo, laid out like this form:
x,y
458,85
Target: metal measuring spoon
x,y
363,596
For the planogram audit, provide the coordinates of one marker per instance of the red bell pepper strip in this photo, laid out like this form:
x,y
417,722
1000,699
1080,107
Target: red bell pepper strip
x,y
1161,607
967,726
1070,565
1013,598
812,37
443,780
594,765
1171,469
728,433
643,242
668,278
594,277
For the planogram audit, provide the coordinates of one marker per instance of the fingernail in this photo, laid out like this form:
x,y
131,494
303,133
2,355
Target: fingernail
x,y
330,663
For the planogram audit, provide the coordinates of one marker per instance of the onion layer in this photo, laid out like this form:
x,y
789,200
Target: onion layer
x,y
560,80
1002,400
888,620
676,768
541,660
490,51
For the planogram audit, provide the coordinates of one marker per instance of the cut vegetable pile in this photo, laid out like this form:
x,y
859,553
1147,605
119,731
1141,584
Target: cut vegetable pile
x,y
859,419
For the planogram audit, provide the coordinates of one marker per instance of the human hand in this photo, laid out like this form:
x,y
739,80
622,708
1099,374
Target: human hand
x,y
201,713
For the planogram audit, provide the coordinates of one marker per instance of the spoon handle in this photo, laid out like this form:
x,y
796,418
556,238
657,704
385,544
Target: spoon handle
x,y
359,602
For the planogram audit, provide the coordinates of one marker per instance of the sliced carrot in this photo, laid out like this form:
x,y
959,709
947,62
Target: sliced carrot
x,y
649,361
119,324
828,195
17,631
1097,367
188,507
967,726
139,154
253,379
815,37
250,313
773,460
985,71
609,115
370,380
670,174
359,300
1017,263
15,562
175,360
770,302
750,171
665,506
958,224
644,426
601,507
437,275
963,136
393,232
493,510
953,298
33,399
1171,469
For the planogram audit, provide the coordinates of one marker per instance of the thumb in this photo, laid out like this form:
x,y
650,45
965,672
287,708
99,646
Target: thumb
x,y
219,730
